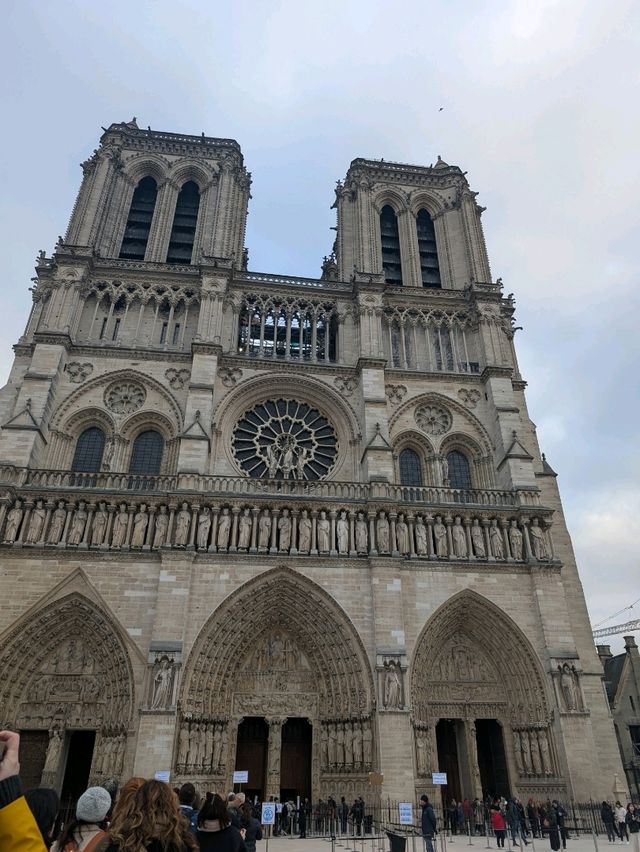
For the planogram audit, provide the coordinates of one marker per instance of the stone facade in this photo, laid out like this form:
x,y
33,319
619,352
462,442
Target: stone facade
x,y
228,495
622,682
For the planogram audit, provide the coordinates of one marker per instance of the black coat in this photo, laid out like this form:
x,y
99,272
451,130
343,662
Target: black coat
x,y
428,820
227,839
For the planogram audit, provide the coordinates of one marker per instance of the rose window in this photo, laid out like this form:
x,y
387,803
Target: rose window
x,y
124,397
285,439
433,419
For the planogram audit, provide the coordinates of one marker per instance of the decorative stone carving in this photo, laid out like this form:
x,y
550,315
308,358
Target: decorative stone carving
x,y
395,393
204,528
163,676
477,540
285,439
245,526
140,524
538,541
324,532
402,536
433,419
78,524
183,523
264,530
78,371
224,530
496,540
423,750
284,529
421,537
570,694
362,535
56,527
230,376
346,384
99,525
177,378
392,697
469,396
124,397
36,523
161,528
14,519
515,541
440,536
304,532
459,538
120,523
342,533
382,533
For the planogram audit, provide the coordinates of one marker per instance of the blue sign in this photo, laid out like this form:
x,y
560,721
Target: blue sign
x,y
268,813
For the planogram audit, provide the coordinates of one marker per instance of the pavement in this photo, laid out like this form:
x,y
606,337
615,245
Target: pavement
x,y
378,843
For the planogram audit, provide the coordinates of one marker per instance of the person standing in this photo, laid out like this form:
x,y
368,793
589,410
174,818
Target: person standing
x,y
498,823
428,824
561,816
608,818
343,812
302,818
621,821
89,826
251,826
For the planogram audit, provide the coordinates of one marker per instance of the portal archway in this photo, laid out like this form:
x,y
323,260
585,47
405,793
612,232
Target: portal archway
x,y
279,648
480,704
75,683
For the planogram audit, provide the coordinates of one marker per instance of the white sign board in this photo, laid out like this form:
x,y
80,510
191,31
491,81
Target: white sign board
x,y
439,778
268,813
405,809
163,775
241,776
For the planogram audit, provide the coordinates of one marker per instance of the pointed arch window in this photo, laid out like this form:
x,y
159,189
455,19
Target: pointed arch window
x,y
459,470
390,241
183,232
146,456
89,451
429,266
410,468
136,233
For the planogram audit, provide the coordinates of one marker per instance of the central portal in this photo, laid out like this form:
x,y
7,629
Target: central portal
x,y
295,779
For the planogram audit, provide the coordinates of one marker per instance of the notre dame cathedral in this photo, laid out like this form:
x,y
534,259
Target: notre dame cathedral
x,y
294,526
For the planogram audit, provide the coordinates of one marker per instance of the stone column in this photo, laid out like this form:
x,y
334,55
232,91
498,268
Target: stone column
x,y
472,753
54,761
273,756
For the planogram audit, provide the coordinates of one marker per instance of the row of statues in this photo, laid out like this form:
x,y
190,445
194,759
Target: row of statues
x,y
108,759
532,752
254,530
346,746
202,746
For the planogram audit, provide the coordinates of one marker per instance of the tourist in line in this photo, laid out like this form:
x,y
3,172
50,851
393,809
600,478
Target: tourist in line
x,y
251,826
561,817
45,807
633,819
187,797
149,820
498,823
608,818
621,822
551,824
88,828
533,817
302,818
215,831
429,823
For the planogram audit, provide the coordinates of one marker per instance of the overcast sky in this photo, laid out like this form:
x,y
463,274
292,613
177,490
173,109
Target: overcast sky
x,y
540,105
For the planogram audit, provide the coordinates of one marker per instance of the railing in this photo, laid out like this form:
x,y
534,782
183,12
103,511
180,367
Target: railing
x,y
35,478
290,281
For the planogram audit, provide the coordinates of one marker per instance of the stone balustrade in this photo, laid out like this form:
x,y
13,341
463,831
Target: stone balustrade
x,y
302,528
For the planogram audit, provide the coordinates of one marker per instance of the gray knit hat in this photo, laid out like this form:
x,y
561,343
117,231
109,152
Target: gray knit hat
x,y
93,805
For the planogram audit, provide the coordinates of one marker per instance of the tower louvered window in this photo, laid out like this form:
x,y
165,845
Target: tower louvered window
x,y
390,239
136,234
89,451
429,267
185,220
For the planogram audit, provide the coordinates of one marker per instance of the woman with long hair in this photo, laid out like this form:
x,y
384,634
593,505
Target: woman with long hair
x,y
126,801
215,832
252,827
150,820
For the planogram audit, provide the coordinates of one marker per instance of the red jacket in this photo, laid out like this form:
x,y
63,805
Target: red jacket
x,y
497,820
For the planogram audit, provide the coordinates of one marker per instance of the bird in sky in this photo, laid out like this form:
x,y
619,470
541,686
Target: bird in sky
x,y
441,108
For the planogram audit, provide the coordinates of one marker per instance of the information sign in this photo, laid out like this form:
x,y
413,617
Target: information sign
x,y
439,778
268,813
241,776
163,775
405,809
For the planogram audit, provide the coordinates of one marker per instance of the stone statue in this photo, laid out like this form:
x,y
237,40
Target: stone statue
x,y
54,750
201,745
272,460
444,470
204,527
568,687
183,744
140,524
422,751
367,743
301,461
304,531
382,532
517,750
535,754
36,523
208,746
162,683
402,536
264,530
348,744
324,747
194,736
99,525
340,744
107,455
440,535
244,530
515,541
392,686
332,745
224,530
477,539
324,530
459,539
183,523
217,745
160,531
120,522
362,535
495,539
538,543
342,533
545,754
284,529
357,743
78,523
14,519
421,537
526,752
287,462
56,527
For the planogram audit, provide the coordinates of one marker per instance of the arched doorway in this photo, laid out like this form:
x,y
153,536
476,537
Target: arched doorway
x,y
480,706
67,686
278,665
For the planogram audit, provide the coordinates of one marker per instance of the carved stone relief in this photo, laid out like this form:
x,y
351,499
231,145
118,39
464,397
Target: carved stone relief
x,y
433,419
469,396
395,393
78,371
177,378
568,691
346,384
124,397
230,376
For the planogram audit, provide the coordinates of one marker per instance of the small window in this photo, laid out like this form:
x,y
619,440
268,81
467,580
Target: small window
x,y
176,334
185,220
410,468
146,457
390,241
116,329
459,472
163,332
429,266
103,328
136,234
89,450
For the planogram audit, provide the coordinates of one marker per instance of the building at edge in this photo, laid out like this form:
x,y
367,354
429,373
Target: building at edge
x,y
299,527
